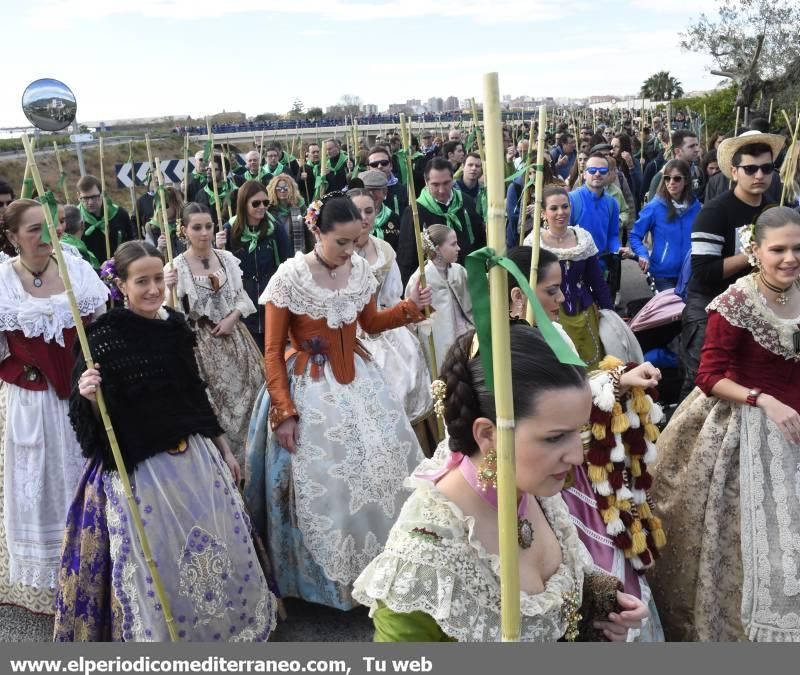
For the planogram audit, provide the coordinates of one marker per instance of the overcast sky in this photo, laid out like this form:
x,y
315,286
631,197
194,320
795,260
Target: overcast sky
x,y
142,58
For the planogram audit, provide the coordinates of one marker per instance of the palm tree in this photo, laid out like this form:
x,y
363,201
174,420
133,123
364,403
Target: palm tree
x,y
661,86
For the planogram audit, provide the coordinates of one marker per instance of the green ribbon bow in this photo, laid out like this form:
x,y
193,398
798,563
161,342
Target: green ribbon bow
x,y
381,219
478,263
450,216
48,201
86,254
251,237
94,223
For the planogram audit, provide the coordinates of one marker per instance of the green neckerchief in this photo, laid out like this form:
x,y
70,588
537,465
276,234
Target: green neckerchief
x,y
450,216
284,211
223,190
86,254
482,203
93,223
278,170
340,162
287,157
381,220
200,177
252,237
400,157
478,263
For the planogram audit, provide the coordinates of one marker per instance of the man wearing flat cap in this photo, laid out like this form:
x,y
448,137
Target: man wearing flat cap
x,y
387,222
717,259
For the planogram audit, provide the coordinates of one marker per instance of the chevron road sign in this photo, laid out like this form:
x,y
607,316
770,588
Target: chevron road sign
x,y
171,169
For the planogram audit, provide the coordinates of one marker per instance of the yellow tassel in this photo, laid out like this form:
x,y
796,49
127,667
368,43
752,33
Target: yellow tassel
x,y
636,467
644,511
657,530
609,515
638,538
650,432
610,362
640,404
619,420
597,474
599,431
612,500
624,505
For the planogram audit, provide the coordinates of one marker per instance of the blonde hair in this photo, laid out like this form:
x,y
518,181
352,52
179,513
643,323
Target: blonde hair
x,y
272,194
433,237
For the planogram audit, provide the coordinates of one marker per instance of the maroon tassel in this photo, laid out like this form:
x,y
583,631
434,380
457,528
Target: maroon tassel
x,y
626,518
607,443
647,561
623,540
616,478
599,416
634,439
598,456
645,481
602,502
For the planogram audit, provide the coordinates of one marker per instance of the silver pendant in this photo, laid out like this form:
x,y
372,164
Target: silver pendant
x,y
333,274
37,282
781,299
524,532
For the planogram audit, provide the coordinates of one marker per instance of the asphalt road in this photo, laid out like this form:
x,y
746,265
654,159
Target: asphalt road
x,y
305,622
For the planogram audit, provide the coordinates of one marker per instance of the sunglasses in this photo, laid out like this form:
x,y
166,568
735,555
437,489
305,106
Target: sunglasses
x,y
674,179
592,170
380,162
256,203
751,169
282,189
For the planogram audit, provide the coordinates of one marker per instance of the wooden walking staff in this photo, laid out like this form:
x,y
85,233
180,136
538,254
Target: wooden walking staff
x,y
185,169
412,200
61,172
225,178
214,177
101,404
478,136
537,211
105,204
789,167
164,220
23,192
705,124
323,169
501,359
132,189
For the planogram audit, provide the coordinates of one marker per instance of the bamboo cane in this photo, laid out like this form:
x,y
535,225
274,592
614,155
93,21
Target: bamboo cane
x,y
769,117
789,168
165,221
101,404
214,186
705,124
412,200
27,176
478,136
61,172
323,168
185,169
132,190
501,358
225,178
735,134
524,199
537,212
105,210
355,148
642,158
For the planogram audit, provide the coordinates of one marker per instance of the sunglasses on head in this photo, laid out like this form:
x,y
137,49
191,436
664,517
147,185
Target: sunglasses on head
x,y
592,170
380,162
256,203
751,169
674,179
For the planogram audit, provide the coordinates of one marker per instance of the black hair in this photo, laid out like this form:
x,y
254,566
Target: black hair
x,y
451,146
760,124
130,252
679,136
192,208
6,189
535,370
72,219
438,164
522,255
337,207
752,149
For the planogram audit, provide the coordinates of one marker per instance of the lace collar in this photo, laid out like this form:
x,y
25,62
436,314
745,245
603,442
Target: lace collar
x,y
48,317
741,306
585,248
293,287
434,563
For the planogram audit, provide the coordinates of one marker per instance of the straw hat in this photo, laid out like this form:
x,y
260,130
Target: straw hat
x,y
730,146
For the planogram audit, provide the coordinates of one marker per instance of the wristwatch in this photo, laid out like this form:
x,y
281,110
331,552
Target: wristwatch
x,y
752,397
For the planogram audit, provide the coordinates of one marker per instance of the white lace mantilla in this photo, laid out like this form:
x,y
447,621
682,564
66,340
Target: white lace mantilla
x,y
585,248
433,563
203,300
294,288
48,317
741,306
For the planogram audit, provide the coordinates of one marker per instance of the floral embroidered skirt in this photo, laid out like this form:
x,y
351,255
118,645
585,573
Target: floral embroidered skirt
x,y
199,535
327,509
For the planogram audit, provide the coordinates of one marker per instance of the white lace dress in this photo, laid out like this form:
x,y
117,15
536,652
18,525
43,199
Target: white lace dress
x,y
433,563
42,460
232,365
397,352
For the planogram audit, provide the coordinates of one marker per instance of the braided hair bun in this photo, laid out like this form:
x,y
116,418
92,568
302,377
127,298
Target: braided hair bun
x,y
534,368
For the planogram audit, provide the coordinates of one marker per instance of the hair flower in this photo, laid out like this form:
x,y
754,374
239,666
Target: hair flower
x,y
312,214
747,237
108,275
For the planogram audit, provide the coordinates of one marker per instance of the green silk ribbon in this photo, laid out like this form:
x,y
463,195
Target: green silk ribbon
x,y
92,222
450,216
478,263
381,219
251,237
86,254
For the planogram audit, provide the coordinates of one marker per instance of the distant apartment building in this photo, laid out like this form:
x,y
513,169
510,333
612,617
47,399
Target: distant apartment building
x,y
451,103
369,109
436,104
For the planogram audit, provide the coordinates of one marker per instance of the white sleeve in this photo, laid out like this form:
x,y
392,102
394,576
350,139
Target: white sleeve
x,y
392,289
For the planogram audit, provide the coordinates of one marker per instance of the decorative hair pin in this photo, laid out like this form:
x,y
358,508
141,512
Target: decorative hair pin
x,y
439,392
312,214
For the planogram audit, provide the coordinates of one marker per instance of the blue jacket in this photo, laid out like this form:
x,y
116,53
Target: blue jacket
x,y
598,215
671,240
556,154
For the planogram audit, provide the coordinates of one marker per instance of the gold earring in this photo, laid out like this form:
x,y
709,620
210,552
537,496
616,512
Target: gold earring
x,y
487,471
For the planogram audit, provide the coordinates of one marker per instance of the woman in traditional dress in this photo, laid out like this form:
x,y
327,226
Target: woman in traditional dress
x,y
184,476
42,462
261,244
288,208
583,284
453,308
727,475
396,352
152,230
209,287
608,536
438,577
331,445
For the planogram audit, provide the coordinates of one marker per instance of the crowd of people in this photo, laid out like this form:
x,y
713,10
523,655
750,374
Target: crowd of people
x,y
289,360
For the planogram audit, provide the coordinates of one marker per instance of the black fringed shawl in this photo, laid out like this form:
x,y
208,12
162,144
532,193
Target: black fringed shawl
x,y
151,384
